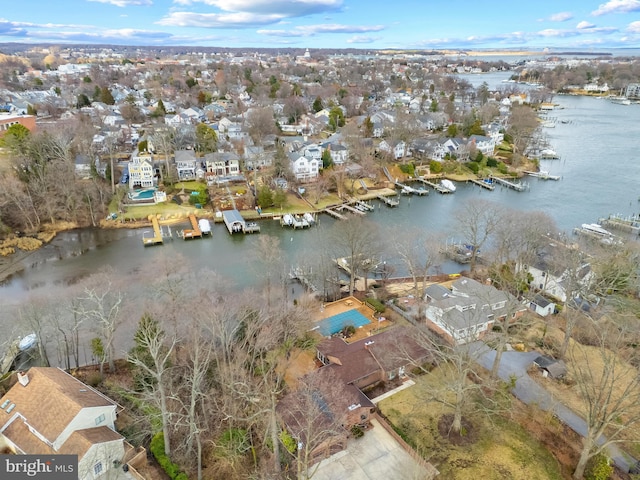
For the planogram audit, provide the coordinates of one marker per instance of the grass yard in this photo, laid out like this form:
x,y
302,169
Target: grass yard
x,y
497,448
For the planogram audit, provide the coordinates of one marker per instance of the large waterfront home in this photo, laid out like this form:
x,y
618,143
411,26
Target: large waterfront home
x,y
467,311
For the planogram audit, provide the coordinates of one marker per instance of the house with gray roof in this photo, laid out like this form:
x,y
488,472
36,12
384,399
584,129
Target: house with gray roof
x,y
468,310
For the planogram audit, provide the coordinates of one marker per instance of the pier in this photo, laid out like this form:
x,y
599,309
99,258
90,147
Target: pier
x,y
157,238
517,186
334,214
389,202
236,224
351,209
436,186
629,223
543,175
486,183
304,278
194,231
364,206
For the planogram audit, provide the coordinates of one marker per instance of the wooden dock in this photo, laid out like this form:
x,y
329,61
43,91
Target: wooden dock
x,y
194,231
157,238
487,183
436,186
251,227
364,206
350,209
389,202
334,214
629,224
517,186
542,175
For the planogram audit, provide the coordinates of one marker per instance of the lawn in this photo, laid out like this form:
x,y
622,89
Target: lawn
x,y
497,448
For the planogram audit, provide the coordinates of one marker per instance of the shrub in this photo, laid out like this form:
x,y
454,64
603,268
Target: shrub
x,y
288,441
376,304
599,468
435,166
408,168
474,167
171,469
356,431
492,162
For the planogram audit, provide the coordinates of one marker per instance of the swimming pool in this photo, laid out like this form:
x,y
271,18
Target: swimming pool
x,y
331,325
142,194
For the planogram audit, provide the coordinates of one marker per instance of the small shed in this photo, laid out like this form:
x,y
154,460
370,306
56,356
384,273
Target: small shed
x,y
553,367
542,306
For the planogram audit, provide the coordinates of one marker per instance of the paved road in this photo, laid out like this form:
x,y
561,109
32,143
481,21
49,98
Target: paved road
x,y
515,364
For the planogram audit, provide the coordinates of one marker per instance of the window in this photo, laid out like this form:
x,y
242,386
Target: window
x,y
100,419
97,468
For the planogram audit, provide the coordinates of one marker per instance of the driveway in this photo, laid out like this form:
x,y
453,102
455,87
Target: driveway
x,y
376,456
515,364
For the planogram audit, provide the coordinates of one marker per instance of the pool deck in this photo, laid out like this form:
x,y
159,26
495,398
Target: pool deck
x,y
351,303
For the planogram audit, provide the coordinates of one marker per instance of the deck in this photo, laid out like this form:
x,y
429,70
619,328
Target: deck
x,y
194,231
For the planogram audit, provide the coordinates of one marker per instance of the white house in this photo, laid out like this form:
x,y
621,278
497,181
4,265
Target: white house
x,y
305,169
485,144
397,149
50,412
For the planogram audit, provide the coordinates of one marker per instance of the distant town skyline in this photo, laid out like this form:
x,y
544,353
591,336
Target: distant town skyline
x,y
364,24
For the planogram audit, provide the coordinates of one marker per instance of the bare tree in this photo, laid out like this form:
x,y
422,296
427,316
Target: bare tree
x,y
101,306
151,356
609,388
356,243
477,221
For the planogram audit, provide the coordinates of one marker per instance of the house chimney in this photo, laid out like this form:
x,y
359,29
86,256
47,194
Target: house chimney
x,y
23,379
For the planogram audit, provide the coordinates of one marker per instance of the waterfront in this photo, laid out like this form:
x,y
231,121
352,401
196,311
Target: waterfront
x,y
594,138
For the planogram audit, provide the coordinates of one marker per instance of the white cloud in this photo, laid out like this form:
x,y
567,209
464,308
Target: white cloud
x,y
311,30
634,27
286,8
126,3
217,20
561,17
584,25
617,6
363,39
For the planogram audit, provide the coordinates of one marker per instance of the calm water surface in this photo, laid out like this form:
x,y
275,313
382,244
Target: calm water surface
x,y
600,168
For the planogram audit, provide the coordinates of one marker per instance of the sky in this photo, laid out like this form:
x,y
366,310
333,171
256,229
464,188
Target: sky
x,y
576,25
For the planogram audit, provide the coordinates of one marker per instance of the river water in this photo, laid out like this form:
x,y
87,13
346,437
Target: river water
x,y
599,164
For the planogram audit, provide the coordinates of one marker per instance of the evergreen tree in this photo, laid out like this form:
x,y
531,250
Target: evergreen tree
x,y
317,105
106,96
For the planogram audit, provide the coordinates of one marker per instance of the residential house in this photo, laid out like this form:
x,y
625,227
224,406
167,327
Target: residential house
x,y
186,165
303,168
550,274
222,164
255,157
83,166
396,148
485,144
339,153
140,171
50,412
350,369
468,310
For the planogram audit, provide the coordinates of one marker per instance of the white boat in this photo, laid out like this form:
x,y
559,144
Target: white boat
x,y
287,219
548,154
205,226
27,342
596,229
309,218
620,100
448,184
